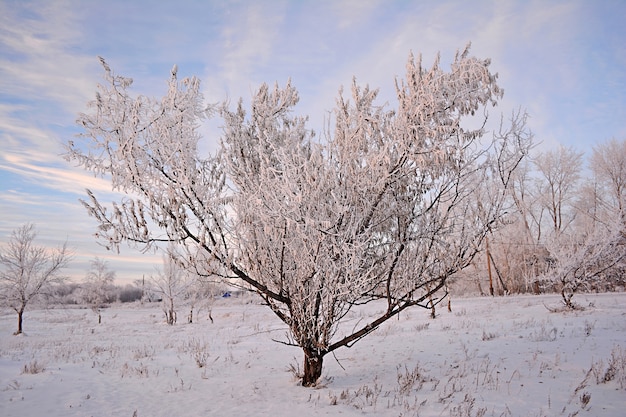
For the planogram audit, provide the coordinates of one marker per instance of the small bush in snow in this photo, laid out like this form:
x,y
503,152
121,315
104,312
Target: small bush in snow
x,y
33,367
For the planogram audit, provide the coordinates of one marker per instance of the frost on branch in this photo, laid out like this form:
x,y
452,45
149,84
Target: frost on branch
x,y
149,150
386,207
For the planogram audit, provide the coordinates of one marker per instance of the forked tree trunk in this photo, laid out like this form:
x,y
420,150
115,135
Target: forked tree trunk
x,y
170,313
20,315
313,362
567,298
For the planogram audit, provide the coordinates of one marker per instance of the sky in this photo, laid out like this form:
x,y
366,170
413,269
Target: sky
x,y
564,62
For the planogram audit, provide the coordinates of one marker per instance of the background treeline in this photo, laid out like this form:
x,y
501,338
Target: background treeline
x,y
74,293
564,228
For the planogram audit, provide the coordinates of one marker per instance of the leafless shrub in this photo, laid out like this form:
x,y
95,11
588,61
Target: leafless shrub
x,y
487,375
112,350
143,352
409,380
199,352
488,336
294,369
179,387
454,384
364,396
544,334
33,367
466,408
420,327
584,397
615,369
140,370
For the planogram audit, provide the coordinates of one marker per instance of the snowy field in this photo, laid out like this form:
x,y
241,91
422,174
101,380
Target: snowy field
x,y
488,357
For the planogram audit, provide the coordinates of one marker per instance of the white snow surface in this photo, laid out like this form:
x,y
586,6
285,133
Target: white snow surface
x,y
505,356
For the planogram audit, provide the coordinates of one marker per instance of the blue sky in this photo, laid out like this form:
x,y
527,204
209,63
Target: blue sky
x,y
563,61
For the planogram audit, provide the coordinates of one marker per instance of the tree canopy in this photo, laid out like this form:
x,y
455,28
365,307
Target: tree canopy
x,y
386,205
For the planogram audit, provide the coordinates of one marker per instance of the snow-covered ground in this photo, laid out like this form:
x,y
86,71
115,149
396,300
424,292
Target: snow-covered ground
x,y
489,356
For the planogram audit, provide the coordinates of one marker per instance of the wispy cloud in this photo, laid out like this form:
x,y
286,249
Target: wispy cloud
x,y
60,178
41,59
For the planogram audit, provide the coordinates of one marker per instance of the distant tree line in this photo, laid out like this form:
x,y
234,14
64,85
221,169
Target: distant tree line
x,y
565,227
73,294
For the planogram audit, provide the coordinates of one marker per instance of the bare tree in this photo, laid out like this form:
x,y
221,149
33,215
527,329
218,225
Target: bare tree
x,y
387,207
200,296
527,198
608,163
29,271
559,174
98,283
510,245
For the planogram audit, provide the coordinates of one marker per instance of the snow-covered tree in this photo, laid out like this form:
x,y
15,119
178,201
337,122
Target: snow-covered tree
x,y
96,290
172,284
582,257
29,271
386,206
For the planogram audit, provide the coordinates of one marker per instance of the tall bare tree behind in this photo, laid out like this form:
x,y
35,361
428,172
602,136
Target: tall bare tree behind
x,y
559,172
608,163
386,207
585,243
29,271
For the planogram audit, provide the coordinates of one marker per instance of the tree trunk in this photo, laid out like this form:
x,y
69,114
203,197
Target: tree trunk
x,y
433,312
170,313
169,317
567,298
20,315
313,362
489,267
